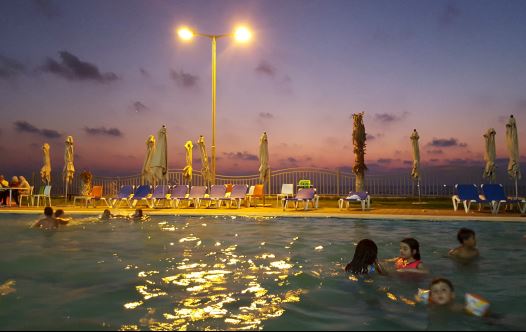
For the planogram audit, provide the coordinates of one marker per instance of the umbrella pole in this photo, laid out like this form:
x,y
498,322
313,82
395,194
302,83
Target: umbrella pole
x,y
516,188
66,198
418,185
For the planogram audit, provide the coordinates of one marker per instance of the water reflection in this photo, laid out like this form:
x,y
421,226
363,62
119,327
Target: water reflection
x,y
209,290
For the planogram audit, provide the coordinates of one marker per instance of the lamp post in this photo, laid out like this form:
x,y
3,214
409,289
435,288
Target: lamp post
x,y
241,34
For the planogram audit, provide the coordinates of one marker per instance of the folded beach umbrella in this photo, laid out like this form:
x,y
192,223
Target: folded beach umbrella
x,y
205,169
512,142
146,173
415,172
490,170
263,158
69,169
187,171
159,164
45,171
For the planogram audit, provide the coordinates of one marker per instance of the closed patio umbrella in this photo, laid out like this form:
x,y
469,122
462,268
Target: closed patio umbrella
x,y
187,171
69,169
45,171
490,170
263,162
415,172
512,143
146,173
205,169
159,164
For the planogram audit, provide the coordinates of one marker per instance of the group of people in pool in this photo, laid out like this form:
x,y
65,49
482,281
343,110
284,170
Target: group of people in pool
x,y
441,291
53,220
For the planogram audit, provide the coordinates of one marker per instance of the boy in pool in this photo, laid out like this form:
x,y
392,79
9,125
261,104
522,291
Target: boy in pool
x,y
138,216
468,249
61,218
49,222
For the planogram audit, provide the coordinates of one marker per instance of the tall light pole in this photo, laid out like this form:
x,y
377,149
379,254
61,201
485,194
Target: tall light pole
x,y
241,34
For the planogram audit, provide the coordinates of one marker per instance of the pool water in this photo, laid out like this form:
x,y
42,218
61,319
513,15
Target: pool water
x,y
228,273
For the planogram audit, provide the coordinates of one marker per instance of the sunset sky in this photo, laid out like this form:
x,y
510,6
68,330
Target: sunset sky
x,y
110,73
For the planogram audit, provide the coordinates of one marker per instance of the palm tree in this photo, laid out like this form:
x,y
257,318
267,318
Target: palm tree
x,y
358,139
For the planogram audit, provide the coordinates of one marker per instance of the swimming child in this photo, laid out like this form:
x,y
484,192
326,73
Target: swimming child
x,y
409,260
138,216
468,248
365,259
49,222
61,218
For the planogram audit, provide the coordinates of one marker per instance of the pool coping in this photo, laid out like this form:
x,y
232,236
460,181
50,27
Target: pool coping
x,y
275,212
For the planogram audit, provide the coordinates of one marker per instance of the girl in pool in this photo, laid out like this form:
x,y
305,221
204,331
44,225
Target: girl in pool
x,y
409,259
365,259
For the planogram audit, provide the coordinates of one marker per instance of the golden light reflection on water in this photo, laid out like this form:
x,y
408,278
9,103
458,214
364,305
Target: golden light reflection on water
x,y
220,289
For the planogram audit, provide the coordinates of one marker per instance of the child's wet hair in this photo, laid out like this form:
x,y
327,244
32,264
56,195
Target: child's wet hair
x,y
59,213
414,246
442,280
365,254
464,234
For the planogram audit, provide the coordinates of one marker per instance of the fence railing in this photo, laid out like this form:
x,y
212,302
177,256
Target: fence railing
x,y
326,181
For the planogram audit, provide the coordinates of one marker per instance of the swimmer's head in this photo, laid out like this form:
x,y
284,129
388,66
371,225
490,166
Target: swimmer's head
x,y
441,292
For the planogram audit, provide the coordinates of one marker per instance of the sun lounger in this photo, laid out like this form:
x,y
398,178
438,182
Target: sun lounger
x,y
195,195
239,193
160,193
467,194
361,197
123,195
217,192
494,193
179,192
141,193
305,195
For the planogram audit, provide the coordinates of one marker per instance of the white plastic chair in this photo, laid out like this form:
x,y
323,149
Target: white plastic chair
x,y
287,190
28,196
46,194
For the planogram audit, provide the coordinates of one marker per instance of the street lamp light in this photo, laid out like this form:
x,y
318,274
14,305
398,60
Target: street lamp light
x,y
241,34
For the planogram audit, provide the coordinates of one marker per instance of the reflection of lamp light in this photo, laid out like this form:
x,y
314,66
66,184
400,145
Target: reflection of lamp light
x,y
241,34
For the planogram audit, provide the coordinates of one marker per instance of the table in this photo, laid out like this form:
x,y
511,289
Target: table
x,y
10,193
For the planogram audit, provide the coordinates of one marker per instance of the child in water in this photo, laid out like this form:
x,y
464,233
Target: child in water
x,y
409,259
468,249
139,216
365,259
61,218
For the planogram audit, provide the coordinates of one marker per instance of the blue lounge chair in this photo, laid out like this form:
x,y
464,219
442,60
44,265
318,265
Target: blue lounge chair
x,y
179,192
217,192
239,193
305,195
467,194
141,193
495,195
160,193
122,196
359,196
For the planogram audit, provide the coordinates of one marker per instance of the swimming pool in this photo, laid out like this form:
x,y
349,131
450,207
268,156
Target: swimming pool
x,y
244,273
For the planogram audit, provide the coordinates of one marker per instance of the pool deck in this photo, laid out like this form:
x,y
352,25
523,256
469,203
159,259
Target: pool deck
x,y
424,214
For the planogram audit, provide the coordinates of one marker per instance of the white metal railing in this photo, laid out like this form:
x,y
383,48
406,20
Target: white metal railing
x,y
326,181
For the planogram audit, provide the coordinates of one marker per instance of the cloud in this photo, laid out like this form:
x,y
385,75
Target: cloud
x,y
436,151
446,143
47,8
10,68
521,106
266,115
184,80
265,68
73,69
389,118
26,127
139,107
103,131
144,73
371,137
241,156
408,162
449,14
384,161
